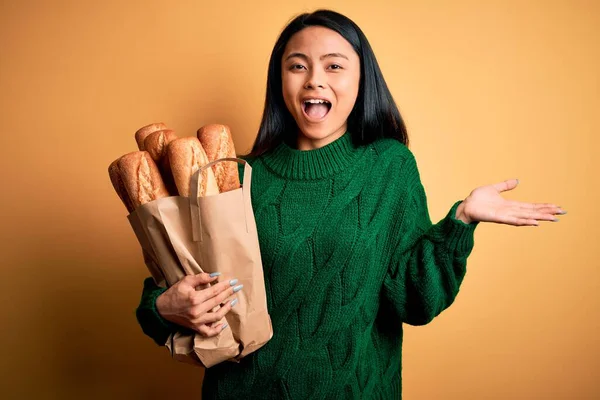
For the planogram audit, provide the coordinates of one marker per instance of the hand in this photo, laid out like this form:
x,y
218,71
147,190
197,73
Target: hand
x,y
182,304
486,205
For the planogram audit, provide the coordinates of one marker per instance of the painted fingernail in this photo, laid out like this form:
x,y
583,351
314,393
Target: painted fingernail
x,y
237,288
234,302
233,282
214,274
224,326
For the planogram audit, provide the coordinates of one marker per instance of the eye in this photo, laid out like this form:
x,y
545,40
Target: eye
x,y
335,66
296,67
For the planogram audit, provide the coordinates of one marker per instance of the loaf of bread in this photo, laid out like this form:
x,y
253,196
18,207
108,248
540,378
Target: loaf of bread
x,y
119,185
186,156
140,178
143,132
218,143
156,145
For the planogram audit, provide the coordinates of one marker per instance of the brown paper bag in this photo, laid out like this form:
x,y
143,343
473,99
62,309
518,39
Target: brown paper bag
x,y
182,236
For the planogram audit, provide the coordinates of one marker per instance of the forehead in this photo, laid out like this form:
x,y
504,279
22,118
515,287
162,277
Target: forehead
x,y
318,40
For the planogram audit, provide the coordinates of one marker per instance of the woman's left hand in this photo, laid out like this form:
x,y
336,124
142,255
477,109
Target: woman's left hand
x,y
486,205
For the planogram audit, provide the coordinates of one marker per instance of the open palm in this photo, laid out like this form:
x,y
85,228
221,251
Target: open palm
x,y
485,204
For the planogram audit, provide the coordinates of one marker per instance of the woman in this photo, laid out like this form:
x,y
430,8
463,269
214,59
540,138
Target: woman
x,y
348,247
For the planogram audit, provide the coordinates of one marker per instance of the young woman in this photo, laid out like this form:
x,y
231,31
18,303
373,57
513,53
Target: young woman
x,y
348,247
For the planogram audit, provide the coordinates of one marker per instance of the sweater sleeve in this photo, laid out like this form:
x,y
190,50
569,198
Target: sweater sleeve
x,y
151,322
429,260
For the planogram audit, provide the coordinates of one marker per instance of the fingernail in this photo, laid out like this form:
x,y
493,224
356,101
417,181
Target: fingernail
x,y
233,282
562,212
224,326
517,181
214,274
237,288
234,302
555,220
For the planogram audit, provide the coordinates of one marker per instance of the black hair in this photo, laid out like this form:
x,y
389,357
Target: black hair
x,y
375,114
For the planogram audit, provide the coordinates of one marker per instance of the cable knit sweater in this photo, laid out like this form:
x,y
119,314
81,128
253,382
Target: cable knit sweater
x,y
349,254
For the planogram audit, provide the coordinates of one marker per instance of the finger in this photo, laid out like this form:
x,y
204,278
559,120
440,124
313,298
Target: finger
x,y
200,279
539,216
506,185
520,217
220,298
516,219
220,322
551,210
208,293
542,212
211,317
535,206
208,331
548,214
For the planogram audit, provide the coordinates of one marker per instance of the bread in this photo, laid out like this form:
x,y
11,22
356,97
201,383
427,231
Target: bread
x,y
143,132
156,145
186,156
141,178
218,143
119,185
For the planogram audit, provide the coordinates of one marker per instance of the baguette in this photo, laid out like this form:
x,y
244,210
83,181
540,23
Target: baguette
x,y
143,132
141,178
119,185
156,145
186,156
218,143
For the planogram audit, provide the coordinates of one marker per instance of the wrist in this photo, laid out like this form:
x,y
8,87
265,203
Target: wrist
x,y
159,304
460,213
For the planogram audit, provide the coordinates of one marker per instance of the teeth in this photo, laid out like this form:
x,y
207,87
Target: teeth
x,y
316,101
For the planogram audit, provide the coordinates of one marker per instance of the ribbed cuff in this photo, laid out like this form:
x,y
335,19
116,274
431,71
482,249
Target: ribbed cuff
x,y
457,235
152,302
152,323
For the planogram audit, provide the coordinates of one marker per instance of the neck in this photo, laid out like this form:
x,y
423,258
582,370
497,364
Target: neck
x,y
293,163
305,142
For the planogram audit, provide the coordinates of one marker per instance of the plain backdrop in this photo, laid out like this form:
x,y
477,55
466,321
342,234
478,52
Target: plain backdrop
x,y
490,90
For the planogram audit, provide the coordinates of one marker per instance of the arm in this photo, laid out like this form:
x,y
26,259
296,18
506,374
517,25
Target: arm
x,y
429,261
148,317
183,308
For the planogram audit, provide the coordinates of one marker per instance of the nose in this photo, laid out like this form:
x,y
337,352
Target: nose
x,y
316,79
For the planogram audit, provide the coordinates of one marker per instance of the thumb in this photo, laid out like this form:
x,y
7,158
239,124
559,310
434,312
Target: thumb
x,y
200,279
509,184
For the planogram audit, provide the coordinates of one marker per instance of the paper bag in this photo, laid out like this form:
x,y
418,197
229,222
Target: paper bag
x,y
182,236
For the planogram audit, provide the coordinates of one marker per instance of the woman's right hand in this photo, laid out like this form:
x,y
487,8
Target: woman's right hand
x,y
183,305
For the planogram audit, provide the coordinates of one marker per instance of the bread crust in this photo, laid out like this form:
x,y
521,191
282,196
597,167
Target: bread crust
x,y
186,156
119,185
218,143
156,145
144,131
141,178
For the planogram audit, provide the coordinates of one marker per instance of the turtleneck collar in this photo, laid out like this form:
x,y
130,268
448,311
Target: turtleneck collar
x,y
320,163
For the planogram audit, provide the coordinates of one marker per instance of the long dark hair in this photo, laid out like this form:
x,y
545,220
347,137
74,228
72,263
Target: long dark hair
x,y
375,114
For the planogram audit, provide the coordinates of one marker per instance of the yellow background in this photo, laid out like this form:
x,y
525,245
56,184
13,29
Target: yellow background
x,y
490,90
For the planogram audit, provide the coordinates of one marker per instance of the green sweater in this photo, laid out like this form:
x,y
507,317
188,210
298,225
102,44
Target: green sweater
x,y
349,254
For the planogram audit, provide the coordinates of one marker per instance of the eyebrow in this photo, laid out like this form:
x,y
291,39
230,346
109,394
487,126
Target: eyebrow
x,y
304,57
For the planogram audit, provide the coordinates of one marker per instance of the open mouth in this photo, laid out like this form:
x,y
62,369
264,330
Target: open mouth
x,y
316,109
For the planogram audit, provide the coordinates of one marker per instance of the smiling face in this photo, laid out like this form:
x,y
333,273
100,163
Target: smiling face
x,y
320,74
